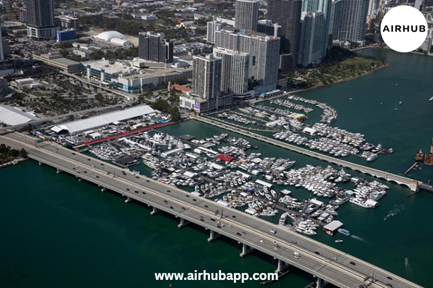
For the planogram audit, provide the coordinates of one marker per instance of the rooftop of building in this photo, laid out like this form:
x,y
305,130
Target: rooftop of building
x,y
249,33
181,88
194,97
111,67
149,72
104,119
14,116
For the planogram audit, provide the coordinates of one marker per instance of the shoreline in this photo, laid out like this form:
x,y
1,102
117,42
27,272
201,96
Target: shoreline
x,y
321,85
13,162
348,79
386,47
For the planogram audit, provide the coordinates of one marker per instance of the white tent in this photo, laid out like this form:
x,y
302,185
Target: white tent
x,y
13,116
104,119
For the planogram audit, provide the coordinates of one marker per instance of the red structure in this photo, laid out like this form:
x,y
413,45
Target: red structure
x,y
127,133
225,158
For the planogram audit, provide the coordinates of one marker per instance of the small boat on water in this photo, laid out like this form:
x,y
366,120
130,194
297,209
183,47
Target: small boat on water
x,y
344,231
431,98
338,241
406,261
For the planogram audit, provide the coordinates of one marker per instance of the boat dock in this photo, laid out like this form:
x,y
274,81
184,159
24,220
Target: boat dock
x,y
412,184
411,167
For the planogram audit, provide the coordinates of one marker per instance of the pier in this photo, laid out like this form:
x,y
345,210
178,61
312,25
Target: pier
x,y
412,184
323,262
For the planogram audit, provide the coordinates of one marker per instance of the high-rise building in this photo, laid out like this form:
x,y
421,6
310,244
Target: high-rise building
x,y
419,4
373,6
312,34
264,55
234,71
213,26
246,14
324,6
269,28
287,13
206,95
349,20
207,77
40,16
2,55
154,47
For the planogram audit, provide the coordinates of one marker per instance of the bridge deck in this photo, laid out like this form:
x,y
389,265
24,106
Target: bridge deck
x,y
327,263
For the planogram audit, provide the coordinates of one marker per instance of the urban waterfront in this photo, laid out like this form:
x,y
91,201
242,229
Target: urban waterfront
x,y
113,244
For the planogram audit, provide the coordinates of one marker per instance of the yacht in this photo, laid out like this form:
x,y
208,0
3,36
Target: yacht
x,y
372,157
364,204
376,195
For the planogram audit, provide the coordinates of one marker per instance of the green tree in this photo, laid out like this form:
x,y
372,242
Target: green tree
x,y
23,153
99,97
175,114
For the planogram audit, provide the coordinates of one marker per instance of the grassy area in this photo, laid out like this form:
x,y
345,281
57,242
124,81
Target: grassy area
x,y
356,62
336,71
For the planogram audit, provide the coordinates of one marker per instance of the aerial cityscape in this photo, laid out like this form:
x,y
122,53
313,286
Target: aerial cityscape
x,y
286,133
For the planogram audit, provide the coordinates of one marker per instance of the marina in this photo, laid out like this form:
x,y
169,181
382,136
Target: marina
x,y
365,226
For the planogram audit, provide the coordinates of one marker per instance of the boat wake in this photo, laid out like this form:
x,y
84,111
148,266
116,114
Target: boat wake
x,y
397,209
357,238
409,273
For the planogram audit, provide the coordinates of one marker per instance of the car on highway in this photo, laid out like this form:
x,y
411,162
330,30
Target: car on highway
x,y
296,255
273,231
261,241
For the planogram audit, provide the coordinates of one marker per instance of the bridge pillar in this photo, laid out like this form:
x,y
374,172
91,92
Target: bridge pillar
x,y
127,200
281,266
246,250
213,235
320,283
413,186
182,223
154,211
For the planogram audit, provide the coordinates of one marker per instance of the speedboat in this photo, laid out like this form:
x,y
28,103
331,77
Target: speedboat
x,y
338,241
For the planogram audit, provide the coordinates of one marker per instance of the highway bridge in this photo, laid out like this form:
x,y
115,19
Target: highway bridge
x,y
323,262
412,184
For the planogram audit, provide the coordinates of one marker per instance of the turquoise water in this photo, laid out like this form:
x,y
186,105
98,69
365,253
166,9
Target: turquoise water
x,y
58,232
